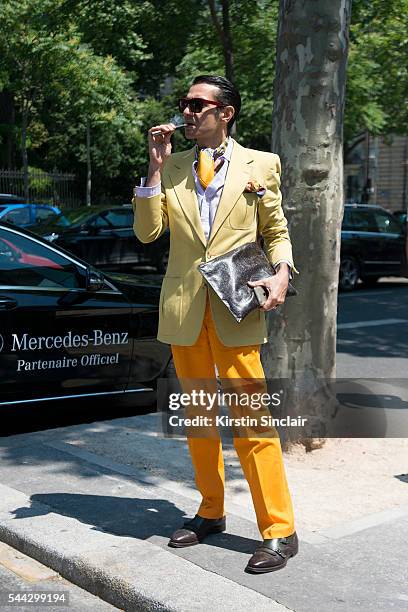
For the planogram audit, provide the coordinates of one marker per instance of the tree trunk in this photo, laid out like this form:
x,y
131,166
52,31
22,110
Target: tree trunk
x,y
8,120
88,164
224,33
227,43
24,123
307,133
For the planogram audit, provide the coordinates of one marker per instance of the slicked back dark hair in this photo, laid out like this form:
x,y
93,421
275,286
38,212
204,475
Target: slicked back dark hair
x,y
227,93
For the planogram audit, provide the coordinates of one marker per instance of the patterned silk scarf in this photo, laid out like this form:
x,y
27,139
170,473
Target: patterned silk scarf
x,y
206,158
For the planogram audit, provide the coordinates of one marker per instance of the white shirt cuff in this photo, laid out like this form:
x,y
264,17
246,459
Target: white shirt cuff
x,y
275,265
147,192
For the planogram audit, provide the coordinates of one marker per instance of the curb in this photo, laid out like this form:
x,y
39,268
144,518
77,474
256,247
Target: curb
x,y
133,575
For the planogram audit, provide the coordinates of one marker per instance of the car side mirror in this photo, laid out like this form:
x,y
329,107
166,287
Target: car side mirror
x,y
94,280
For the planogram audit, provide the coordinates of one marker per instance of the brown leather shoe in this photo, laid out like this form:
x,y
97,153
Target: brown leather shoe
x,y
273,554
195,530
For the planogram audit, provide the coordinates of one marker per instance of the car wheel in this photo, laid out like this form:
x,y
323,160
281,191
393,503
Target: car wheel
x,y
348,274
161,264
370,281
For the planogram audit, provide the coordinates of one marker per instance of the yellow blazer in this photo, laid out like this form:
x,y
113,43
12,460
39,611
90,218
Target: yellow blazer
x,y
240,217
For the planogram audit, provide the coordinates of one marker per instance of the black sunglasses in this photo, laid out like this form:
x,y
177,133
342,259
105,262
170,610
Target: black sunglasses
x,y
196,105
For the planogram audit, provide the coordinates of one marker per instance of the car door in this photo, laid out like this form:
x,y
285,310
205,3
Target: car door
x,y
391,235
57,338
367,241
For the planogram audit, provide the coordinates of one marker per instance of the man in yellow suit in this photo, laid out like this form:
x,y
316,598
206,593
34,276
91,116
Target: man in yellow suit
x,y
213,198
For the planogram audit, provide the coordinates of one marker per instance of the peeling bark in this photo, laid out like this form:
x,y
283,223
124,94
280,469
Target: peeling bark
x,y
308,135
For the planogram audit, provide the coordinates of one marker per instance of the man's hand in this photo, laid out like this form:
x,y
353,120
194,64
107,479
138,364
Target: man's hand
x,y
276,287
159,150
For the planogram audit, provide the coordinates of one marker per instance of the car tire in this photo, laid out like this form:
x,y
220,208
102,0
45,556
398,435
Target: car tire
x,y
370,281
349,273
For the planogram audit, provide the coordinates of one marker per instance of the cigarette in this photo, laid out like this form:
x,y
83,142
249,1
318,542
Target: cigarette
x,y
157,132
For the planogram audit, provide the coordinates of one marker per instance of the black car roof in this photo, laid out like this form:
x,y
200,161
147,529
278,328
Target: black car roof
x,y
11,198
359,206
99,207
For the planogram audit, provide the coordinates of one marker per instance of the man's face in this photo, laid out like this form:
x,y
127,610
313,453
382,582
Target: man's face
x,y
211,120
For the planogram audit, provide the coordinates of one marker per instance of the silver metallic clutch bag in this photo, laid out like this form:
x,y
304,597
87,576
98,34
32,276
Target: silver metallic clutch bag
x,y
229,274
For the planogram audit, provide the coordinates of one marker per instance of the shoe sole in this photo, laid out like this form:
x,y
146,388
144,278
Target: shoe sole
x,y
187,544
266,570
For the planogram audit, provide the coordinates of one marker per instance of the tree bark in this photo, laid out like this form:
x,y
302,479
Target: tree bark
x,y
307,133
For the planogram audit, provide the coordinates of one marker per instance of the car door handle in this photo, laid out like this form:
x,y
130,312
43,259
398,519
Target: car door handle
x,y
7,303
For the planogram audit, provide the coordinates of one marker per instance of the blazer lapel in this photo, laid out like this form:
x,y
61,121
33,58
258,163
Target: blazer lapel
x,y
182,180
236,180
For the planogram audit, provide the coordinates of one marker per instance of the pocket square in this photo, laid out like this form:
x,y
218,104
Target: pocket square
x,y
255,187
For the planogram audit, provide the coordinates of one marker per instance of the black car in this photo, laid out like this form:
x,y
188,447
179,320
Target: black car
x,y
68,330
104,237
10,198
402,216
372,245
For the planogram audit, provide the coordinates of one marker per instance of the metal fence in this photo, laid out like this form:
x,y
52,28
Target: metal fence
x,y
59,188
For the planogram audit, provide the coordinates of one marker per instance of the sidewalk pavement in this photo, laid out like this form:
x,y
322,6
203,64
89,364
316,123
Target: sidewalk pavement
x,y
104,525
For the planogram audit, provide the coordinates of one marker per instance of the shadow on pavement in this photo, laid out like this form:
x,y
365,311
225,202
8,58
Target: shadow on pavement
x,y
125,517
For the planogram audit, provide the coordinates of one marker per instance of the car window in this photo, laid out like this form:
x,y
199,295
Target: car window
x,y
25,262
119,218
43,214
98,221
363,221
386,223
19,216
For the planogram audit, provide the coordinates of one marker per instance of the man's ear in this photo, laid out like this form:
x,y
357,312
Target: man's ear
x,y
228,112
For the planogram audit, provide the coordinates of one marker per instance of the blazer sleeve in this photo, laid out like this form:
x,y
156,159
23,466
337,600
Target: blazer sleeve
x,y
272,223
150,216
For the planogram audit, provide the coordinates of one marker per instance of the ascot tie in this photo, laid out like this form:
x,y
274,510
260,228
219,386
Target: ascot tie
x,y
206,158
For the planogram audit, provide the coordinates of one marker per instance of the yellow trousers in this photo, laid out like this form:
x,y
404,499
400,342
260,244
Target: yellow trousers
x,y
260,458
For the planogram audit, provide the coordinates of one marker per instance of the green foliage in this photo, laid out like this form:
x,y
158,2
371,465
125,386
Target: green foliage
x,y
377,75
60,83
253,26
120,65
39,181
110,27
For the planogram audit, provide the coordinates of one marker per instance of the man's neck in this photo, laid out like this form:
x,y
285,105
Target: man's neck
x,y
212,142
